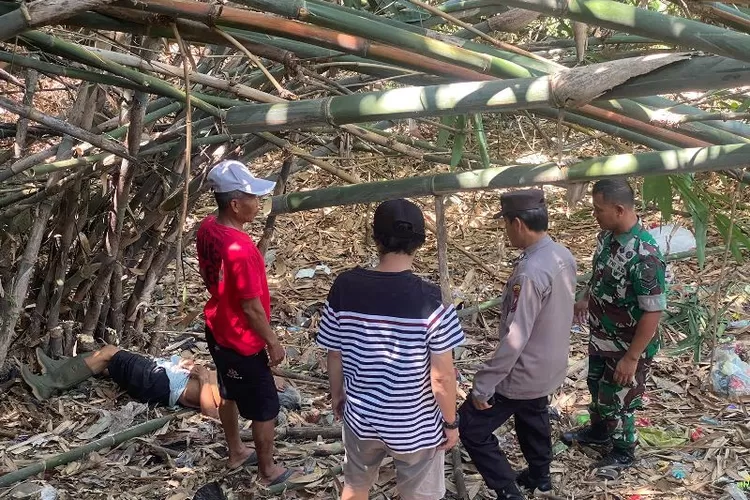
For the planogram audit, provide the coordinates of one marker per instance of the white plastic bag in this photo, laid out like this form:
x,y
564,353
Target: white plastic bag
x,y
673,239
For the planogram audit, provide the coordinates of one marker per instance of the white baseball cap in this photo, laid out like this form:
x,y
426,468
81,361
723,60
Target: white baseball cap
x,y
231,175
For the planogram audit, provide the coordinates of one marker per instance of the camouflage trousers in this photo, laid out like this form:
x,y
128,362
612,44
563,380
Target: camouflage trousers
x,y
614,405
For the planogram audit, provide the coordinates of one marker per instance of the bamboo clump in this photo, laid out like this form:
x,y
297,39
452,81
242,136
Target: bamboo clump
x,y
114,176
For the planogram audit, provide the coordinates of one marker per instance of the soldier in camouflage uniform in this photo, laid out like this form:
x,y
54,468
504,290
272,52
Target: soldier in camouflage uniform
x,y
624,301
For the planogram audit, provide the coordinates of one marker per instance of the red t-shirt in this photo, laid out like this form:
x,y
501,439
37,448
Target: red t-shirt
x,y
233,270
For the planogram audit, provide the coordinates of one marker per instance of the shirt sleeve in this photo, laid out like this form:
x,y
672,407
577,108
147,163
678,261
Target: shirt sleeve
x,y
519,321
329,329
245,272
649,284
447,333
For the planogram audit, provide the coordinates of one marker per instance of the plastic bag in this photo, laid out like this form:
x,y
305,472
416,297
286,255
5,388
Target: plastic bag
x,y
673,239
731,373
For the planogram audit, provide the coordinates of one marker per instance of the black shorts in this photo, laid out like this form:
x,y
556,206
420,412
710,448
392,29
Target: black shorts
x,y
246,380
140,377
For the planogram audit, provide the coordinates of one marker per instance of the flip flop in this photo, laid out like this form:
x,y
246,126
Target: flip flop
x,y
251,460
610,473
283,477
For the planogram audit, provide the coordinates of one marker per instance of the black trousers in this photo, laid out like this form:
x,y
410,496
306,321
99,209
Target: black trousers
x,y
476,429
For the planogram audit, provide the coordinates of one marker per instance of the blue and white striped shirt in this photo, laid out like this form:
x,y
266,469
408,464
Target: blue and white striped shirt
x,y
386,325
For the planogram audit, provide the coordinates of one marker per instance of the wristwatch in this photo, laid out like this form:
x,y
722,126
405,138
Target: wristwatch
x,y
451,425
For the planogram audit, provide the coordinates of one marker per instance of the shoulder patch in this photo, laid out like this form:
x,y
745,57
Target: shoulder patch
x,y
516,294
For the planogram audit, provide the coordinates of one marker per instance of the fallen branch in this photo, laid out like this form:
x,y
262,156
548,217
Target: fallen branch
x,y
78,453
300,433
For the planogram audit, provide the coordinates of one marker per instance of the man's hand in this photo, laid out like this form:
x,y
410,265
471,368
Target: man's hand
x,y
451,439
276,354
338,403
200,372
625,371
479,404
186,364
581,312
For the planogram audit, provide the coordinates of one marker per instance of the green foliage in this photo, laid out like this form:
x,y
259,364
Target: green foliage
x,y
658,189
481,139
459,140
702,205
444,134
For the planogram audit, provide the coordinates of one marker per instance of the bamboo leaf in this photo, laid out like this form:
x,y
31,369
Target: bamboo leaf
x,y
659,190
698,209
739,238
443,135
481,139
459,140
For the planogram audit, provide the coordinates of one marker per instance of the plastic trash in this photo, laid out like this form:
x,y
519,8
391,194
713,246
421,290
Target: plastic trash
x,y
312,271
673,239
731,375
581,417
711,421
678,471
697,434
642,422
558,448
739,324
660,438
735,492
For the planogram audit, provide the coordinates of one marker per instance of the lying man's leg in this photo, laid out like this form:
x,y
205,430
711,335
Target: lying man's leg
x,y
99,360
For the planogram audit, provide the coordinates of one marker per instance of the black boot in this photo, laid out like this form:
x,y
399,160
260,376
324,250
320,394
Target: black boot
x,y
591,434
617,458
510,492
525,479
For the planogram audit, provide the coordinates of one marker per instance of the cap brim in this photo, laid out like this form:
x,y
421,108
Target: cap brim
x,y
498,215
259,187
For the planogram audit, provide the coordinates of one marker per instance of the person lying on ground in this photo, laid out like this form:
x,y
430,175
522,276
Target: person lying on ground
x,y
168,382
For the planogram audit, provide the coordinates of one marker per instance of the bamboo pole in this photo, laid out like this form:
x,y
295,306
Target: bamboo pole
x,y
678,161
636,21
80,452
440,100
41,13
66,128
447,298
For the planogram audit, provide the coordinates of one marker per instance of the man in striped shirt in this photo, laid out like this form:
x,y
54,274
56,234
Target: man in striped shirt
x,y
390,363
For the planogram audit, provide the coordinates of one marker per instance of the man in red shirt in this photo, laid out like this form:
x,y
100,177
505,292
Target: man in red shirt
x,y
239,336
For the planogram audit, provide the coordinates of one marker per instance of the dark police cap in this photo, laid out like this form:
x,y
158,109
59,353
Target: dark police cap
x,y
518,201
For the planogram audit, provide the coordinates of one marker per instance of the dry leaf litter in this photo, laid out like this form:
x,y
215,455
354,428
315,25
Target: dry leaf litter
x,y
692,441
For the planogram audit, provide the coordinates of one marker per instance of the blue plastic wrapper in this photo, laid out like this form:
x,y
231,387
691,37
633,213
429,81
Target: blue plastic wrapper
x,y
731,375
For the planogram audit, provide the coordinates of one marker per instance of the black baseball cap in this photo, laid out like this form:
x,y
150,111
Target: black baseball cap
x,y
399,218
519,201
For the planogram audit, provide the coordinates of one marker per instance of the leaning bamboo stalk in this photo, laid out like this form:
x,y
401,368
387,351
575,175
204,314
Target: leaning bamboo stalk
x,y
19,147
447,299
437,100
65,128
670,162
77,52
647,23
78,453
41,13
328,38
238,89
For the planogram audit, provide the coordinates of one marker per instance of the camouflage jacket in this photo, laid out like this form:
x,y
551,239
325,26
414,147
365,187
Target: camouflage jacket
x,y
627,280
